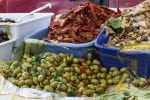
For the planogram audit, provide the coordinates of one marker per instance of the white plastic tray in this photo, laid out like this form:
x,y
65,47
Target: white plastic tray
x,y
27,26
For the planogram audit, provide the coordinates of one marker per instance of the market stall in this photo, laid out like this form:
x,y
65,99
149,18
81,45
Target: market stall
x,y
88,52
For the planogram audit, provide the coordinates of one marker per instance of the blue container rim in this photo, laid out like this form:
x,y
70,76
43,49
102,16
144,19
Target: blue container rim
x,y
72,45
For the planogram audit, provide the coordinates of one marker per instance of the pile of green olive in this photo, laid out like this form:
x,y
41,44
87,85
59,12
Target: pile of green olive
x,y
64,74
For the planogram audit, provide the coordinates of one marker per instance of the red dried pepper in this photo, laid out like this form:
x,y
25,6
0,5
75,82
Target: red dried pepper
x,y
80,24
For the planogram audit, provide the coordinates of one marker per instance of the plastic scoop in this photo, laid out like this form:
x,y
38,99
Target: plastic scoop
x,y
34,11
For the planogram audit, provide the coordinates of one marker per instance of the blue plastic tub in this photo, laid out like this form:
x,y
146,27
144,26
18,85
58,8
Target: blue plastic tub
x,y
77,49
110,56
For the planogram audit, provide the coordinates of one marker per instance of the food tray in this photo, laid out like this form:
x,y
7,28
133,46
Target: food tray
x,y
137,60
21,29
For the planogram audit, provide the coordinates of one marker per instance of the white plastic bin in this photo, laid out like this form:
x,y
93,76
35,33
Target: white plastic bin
x,y
6,47
27,26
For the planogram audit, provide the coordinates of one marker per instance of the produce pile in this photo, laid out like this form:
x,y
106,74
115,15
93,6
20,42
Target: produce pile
x,y
3,36
79,25
134,26
65,74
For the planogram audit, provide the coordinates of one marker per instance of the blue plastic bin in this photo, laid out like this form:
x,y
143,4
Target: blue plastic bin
x,y
78,50
110,56
41,33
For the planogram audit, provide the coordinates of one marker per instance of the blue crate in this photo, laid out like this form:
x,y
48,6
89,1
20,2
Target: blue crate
x,y
78,50
110,56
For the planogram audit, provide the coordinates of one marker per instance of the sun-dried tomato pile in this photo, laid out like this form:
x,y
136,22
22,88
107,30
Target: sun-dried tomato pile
x,y
79,25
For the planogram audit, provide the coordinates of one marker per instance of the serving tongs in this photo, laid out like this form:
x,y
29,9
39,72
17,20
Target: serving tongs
x,y
48,5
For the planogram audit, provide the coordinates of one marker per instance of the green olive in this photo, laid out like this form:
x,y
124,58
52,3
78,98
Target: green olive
x,y
63,65
63,93
93,76
35,80
52,69
142,84
76,69
25,75
103,85
115,73
63,87
25,86
110,82
81,84
39,69
94,81
91,86
88,62
76,60
125,75
104,70
99,75
103,75
89,56
48,88
116,81
136,82
17,70
80,89
54,84
100,90
112,69
123,70
38,87
28,82
67,69
88,92
108,76
60,69
19,75
117,77
40,78
45,82
96,62
21,83
103,81
83,76
33,86
88,71
72,78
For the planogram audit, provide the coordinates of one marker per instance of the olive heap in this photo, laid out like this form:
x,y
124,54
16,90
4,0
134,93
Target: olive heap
x,y
64,74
